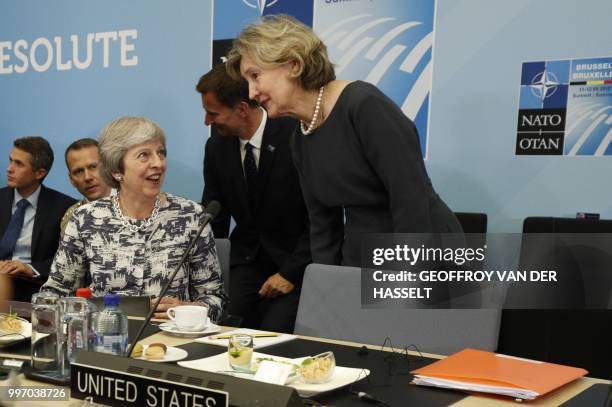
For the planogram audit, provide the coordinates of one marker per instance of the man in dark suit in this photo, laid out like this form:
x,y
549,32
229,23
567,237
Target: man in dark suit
x,y
82,157
30,216
248,169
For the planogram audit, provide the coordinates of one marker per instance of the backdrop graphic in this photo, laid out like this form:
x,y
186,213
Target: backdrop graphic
x,y
475,64
388,43
231,16
589,108
479,50
542,108
90,62
564,108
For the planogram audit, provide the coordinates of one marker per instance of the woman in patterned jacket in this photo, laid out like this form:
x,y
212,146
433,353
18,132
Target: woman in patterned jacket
x,y
130,243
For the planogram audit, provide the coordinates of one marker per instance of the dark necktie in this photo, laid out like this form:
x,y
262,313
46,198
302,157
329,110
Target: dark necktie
x,y
13,230
250,173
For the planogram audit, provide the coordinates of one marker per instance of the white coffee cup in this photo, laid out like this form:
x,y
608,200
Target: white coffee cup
x,y
189,317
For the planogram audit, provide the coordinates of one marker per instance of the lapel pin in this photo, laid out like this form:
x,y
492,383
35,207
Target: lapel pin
x,y
271,148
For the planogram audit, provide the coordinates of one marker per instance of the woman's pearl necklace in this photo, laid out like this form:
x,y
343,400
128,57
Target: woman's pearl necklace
x,y
315,115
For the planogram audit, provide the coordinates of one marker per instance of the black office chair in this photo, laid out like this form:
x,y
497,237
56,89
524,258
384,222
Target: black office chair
x,y
547,224
472,222
559,323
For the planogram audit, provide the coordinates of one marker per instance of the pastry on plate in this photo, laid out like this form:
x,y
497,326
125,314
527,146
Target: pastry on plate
x,y
155,351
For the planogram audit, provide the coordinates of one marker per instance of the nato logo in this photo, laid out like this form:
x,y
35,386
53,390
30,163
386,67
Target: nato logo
x,y
260,5
561,117
231,16
544,85
542,108
302,9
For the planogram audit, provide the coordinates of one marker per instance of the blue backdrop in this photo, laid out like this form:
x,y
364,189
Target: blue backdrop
x,y
172,48
469,51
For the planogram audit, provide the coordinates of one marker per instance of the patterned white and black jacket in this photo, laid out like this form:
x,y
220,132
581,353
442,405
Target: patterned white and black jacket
x,y
119,260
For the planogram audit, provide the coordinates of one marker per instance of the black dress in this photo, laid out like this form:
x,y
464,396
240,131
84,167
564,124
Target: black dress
x,y
361,172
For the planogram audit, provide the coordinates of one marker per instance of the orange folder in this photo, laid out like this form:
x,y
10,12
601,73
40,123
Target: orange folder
x,y
477,370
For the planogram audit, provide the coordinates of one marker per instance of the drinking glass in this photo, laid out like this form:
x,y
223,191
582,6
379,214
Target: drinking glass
x,y
45,323
240,351
73,336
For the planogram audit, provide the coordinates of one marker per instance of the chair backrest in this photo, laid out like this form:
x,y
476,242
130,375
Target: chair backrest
x,y
223,251
330,307
542,224
472,222
562,330
579,250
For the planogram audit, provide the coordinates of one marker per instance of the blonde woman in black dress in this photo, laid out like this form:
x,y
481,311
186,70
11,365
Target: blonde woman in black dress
x,y
357,154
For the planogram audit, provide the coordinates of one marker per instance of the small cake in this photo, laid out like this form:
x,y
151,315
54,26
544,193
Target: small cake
x,y
137,351
156,351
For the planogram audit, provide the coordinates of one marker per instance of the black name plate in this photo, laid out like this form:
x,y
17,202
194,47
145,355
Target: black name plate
x,y
127,389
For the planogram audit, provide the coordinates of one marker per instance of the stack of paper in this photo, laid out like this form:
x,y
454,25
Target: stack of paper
x,y
475,370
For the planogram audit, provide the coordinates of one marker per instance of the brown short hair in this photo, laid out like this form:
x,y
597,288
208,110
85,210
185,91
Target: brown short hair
x,y
278,39
228,90
39,149
79,144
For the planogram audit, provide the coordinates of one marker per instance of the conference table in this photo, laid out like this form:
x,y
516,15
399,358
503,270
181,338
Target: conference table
x,y
389,380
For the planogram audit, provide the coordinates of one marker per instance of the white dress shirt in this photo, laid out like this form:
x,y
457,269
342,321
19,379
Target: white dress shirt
x,y
255,141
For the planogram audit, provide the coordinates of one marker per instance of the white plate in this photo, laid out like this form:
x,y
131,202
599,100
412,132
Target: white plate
x,y
172,354
171,327
26,333
258,343
343,376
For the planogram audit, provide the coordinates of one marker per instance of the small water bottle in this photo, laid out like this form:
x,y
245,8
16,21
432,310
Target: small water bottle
x,y
110,328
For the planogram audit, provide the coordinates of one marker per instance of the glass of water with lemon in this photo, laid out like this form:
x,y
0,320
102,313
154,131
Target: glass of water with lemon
x,y
240,351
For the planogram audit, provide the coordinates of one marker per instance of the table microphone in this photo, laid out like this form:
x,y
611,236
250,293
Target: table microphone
x,y
211,210
368,398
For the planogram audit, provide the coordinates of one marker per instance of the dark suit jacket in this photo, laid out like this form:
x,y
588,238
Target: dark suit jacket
x,y
46,232
279,224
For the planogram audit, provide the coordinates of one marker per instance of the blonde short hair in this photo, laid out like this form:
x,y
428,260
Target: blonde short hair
x,y
278,39
118,137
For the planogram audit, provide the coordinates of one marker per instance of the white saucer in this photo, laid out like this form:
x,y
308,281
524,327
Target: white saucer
x,y
172,354
171,327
